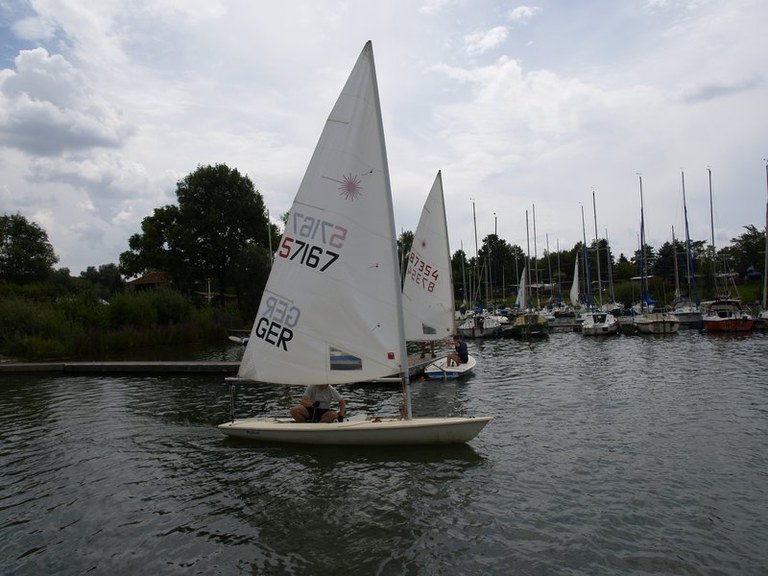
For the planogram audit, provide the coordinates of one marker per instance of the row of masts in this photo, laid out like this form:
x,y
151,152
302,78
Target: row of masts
x,y
484,269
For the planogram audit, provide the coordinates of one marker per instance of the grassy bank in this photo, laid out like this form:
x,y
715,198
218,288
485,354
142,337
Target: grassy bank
x,y
81,326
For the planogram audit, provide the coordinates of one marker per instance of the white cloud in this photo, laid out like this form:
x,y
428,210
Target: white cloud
x,y
34,28
105,105
48,108
480,42
524,14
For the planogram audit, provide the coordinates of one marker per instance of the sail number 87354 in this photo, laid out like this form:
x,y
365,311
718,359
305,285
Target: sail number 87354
x,y
421,273
306,253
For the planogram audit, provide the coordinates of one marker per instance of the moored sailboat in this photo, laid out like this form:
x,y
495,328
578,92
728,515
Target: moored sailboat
x,y
430,315
332,309
650,321
724,313
761,321
599,324
686,308
527,323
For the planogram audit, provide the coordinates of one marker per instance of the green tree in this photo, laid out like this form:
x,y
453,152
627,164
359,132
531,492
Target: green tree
x,y
26,255
624,269
459,267
219,218
107,280
504,262
404,244
747,250
664,266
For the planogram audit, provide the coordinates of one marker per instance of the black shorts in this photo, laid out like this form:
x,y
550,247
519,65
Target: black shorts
x,y
463,359
315,414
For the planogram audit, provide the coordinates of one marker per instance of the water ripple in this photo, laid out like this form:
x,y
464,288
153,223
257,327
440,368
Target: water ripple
x,y
628,455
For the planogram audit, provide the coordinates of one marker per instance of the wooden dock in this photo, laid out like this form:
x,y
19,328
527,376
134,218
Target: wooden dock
x,y
133,367
415,364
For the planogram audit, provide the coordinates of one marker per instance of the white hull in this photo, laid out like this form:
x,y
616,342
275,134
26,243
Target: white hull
x,y
689,317
598,324
600,329
439,369
369,432
480,327
657,323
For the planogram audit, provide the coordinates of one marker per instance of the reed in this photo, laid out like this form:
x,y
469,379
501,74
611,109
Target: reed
x,y
78,326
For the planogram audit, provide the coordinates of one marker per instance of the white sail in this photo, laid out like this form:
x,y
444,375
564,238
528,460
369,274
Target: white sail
x,y
521,302
330,312
575,284
428,284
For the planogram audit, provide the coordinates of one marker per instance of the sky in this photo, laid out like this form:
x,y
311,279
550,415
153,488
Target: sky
x,y
529,109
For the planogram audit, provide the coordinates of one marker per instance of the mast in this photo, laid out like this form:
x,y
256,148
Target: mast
x,y
491,263
712,232
397,284
463,274
609,258
597,254
527,268
765,265
587,281
477,262
559,286
643,279
488,299
549,266
690,263
448,251
536,257
674,257
711,214
269,239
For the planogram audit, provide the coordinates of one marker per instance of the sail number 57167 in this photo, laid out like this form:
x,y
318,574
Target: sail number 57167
x,y
307,254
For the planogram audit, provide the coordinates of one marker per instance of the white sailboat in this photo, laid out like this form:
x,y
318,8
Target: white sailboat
x,y
762,318
331,312
430,315
649,321
686,308
599,324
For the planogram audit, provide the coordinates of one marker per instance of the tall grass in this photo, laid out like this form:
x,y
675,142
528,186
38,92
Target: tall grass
x,y
81,326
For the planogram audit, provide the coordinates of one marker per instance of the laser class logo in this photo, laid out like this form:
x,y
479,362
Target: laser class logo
x,y
350,187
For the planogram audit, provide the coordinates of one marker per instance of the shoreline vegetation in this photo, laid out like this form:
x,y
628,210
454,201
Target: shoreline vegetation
x,y
84,327
35,325
200,268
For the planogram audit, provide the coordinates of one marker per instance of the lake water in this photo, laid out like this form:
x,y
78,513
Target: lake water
x,y
629,455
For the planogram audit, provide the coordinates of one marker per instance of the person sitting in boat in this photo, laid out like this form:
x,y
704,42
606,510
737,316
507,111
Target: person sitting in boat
x,y
460,355
315,405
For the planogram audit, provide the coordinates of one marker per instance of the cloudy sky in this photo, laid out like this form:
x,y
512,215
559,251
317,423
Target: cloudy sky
x,y
105,105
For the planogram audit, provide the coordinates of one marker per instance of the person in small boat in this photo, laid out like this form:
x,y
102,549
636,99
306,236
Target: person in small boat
x,y
460,355
315,405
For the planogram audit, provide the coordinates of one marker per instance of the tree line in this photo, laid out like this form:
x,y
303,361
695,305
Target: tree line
x,y
218,239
